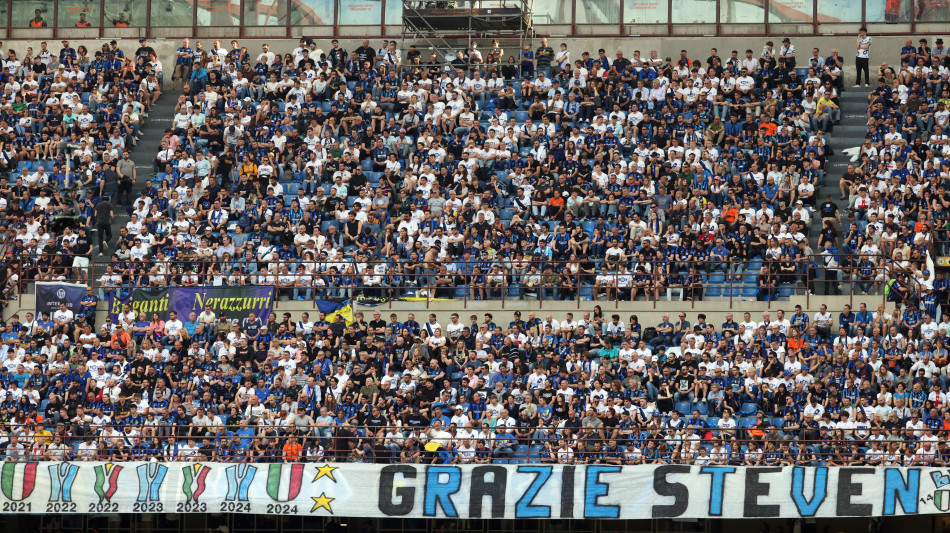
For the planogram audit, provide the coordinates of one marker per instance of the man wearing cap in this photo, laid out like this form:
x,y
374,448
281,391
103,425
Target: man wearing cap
x,y
114,48
802,212
144,50
787,52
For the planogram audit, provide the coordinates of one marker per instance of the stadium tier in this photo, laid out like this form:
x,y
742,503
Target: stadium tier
x,y
159,221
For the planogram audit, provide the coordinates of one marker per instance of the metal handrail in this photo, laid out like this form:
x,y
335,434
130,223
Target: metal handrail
x,y
657,445
584,286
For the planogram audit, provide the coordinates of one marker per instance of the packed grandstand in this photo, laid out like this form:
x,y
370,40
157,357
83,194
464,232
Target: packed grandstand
x,y
547,173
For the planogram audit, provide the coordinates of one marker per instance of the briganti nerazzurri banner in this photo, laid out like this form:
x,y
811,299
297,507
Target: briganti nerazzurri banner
x,y
473,491
236,302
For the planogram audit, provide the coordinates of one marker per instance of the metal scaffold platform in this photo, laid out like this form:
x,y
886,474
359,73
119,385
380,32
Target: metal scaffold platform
x,y
445,28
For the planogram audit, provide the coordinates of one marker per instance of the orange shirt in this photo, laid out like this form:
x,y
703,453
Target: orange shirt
x,y
757,430
120,340
250,169
292,451
795,343
770,128
730,215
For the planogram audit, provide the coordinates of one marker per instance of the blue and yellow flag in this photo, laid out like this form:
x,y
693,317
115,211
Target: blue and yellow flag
x,y
333,308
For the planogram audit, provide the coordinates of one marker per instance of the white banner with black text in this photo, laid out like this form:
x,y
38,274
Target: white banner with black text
x,y
472,491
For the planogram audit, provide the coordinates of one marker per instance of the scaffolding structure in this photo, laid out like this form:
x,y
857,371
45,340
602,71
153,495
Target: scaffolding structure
x,y
445,27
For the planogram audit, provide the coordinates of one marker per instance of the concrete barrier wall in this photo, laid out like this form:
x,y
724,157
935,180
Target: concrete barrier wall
x,y
647,314
884,48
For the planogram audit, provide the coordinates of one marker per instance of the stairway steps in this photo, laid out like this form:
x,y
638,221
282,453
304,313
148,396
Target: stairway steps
x,y
150,139
850,133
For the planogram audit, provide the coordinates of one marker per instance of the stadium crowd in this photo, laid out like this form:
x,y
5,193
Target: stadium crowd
x,y
865,387
537,174
333,173
69,120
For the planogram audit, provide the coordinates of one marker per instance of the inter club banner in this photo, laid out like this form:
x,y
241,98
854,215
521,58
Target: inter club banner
x,y
50,295
473,491
236,302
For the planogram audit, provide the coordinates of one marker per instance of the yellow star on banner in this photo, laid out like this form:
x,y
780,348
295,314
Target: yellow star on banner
x,y
322,501
325,470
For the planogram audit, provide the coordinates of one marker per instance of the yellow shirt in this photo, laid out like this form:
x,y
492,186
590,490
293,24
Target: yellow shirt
x,y
824,102
43,436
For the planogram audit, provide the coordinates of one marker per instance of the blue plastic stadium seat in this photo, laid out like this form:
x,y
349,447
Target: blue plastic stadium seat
x,y
683,407
746,422
521,116
714,285
748,408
